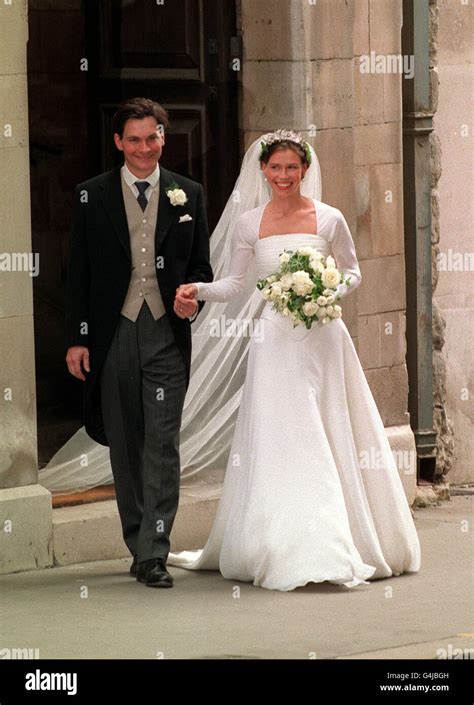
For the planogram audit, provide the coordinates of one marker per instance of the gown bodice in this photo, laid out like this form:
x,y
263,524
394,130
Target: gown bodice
x,y
268,249
332,237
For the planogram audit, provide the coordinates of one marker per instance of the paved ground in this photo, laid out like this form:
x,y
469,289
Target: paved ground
x,y
95,610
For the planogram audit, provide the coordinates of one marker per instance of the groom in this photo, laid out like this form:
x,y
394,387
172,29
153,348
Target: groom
x,y
139,231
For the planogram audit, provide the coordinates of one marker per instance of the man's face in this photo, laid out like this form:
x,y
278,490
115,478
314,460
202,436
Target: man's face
x,y
141,143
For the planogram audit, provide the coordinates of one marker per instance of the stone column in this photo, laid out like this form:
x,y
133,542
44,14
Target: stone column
x,y
25,506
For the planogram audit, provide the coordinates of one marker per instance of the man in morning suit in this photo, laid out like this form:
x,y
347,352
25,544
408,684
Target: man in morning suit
x,y
139,231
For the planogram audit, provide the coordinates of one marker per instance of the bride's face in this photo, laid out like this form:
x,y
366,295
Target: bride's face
x,y
284,171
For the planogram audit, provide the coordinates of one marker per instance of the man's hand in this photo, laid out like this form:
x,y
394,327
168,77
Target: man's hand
x,y
76,356
185,303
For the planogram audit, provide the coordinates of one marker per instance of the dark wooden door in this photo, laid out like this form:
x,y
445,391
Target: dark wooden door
x,y
179,53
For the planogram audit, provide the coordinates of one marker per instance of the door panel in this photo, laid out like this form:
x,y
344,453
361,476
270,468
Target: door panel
x,y
178,54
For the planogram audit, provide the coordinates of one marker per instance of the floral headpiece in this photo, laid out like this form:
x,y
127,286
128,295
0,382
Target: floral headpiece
x,y
281,136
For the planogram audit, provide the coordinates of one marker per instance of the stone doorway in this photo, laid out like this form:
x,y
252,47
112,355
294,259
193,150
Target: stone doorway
x,y
84,57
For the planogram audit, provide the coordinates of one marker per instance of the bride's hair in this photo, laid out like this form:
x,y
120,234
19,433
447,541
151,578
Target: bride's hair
x,y
284,144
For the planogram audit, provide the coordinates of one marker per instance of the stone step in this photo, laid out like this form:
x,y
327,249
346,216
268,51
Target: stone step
x,y
92,532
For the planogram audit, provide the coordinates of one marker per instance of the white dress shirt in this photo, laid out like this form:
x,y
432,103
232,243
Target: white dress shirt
x,y
152,179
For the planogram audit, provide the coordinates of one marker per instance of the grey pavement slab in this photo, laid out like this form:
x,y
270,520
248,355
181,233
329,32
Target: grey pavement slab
x,y
95,610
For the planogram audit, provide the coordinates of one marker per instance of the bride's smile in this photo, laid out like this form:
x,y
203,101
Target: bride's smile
x,y
284,172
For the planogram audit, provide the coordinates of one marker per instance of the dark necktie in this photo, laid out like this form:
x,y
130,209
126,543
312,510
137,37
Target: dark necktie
x,y
141,198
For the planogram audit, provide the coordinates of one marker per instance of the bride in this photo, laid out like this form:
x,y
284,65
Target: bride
x,y
288,410
296,505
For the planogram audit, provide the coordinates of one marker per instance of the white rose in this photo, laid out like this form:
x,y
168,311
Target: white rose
x,y
310,308
328,292
330,299
322,313
286,281
337,311
330,311
321,301
276,289
307,250
302,283
177,197
330,263
316,265
284,258
330,278
285,312
266,292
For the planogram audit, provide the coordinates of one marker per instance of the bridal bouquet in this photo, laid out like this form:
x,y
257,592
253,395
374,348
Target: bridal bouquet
x,y
305,287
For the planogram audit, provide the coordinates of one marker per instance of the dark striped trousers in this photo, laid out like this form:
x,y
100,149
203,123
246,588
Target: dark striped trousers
x,y
143,385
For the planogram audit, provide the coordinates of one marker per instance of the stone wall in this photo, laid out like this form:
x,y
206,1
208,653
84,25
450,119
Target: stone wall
x,y
379,190
452,25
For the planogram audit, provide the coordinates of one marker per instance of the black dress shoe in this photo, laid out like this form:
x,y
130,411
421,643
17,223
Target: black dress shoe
x,y
133,567
154,574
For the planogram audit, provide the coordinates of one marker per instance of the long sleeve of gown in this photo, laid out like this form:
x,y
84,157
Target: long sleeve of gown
x,y
343,250
242,251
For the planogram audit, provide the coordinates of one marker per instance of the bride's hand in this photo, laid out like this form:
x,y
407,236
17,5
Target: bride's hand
x,y
185,303
185,292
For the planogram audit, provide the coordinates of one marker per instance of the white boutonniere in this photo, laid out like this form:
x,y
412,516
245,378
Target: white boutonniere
x,y
176,195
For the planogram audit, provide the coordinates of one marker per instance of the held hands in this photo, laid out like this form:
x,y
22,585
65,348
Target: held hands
x,y
185,303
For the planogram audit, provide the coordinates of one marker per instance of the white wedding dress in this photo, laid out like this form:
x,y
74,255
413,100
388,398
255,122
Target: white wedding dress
x,y
297,504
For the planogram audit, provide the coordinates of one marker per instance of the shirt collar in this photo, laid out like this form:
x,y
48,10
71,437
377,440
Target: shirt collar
x,y
130,178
